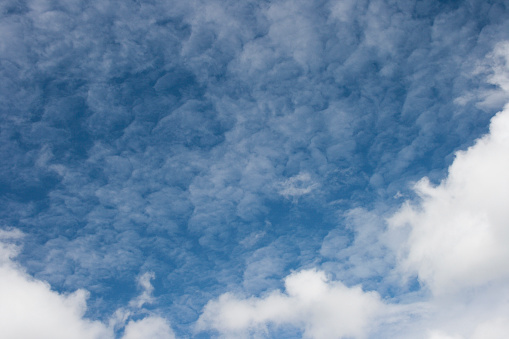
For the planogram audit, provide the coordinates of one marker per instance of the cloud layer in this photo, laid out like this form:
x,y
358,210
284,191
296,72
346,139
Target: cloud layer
x,y
452,237
223,145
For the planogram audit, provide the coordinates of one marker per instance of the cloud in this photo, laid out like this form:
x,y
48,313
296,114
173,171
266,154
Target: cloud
x,y
31,309
155,136
149,327
319,307
496,67
359,253
146,296
298,185
453,237
458,231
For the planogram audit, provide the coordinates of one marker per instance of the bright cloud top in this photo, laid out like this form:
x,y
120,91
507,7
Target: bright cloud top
x,y
453,238
150,327
459,231
321,308
169,161
456,241
29,309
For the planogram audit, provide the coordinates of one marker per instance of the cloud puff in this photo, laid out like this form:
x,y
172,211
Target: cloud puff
x,y
458,231
297,186
319,307
455,238
29,308
150,327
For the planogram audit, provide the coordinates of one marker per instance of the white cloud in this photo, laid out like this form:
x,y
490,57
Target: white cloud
x,y
458,232
298,185
150,327
29,309
455,238
103,214
146,296
496,328
319,307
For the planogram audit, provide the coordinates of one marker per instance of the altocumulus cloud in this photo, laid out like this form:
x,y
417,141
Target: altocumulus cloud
x,y
453,237
226,145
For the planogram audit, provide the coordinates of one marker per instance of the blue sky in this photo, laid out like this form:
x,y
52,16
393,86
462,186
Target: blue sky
x,y
257,169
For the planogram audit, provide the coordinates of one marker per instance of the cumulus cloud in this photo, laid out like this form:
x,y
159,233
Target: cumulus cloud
x,y
319,307
31,309
151,327
452,237
157,135
455,235
458,231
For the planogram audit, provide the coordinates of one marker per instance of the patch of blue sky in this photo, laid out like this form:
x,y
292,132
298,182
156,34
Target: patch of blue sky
x,y
222,145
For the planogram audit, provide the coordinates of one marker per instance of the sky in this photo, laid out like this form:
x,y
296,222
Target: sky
x,y
254,169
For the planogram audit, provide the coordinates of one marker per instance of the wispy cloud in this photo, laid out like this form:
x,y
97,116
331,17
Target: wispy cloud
x,y
297,186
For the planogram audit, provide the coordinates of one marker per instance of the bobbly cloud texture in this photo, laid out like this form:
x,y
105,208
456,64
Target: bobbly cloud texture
x,y
453,237
176,157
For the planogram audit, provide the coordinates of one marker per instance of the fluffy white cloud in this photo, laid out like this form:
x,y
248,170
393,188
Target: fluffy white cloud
x,y
319,307
458,232
30,309
151,327
455,237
